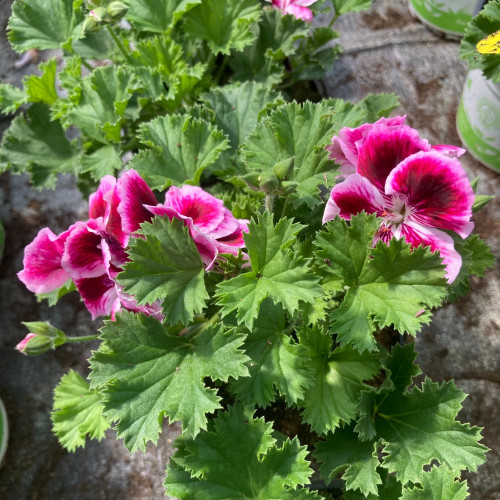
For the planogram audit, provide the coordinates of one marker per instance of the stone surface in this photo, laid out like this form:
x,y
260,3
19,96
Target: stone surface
x,y
385,50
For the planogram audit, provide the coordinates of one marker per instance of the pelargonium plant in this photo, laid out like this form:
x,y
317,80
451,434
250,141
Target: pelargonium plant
x,y
260,264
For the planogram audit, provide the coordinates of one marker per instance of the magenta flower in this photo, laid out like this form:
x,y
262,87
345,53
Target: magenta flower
x,y
418,190
297,8
212,226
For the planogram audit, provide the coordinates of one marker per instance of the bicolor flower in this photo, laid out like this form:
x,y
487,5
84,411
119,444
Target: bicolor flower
x,y
297,8
212,226
420,192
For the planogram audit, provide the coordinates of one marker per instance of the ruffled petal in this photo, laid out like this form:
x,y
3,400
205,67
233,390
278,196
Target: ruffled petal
x,y
448,150
345,147
437,189
99,205
206,211
129,303
114,221
42,269
83,255
416,234
352,196
134,193
204,244
299,12
384,148
226,227
98,294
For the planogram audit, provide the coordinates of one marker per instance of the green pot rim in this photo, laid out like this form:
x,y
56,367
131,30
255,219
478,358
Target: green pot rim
x,y
4,431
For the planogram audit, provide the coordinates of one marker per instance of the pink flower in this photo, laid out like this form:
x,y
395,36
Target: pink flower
x,y
415,188
297,8
212,226
21,347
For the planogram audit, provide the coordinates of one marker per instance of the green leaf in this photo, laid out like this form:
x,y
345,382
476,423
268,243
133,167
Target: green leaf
x,y
39,146
54,296
147,371
149,15
182,147
389,285
44,24
77,412
400,367
166,266
276,273
419,426
224,24
277,363
342,451
481,256
262,61
343,6
338,381
103,161
104,96
299,131
238,458
43,88
437,484
11,98
237,108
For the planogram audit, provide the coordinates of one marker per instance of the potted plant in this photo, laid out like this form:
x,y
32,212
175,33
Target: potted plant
x,y
478,117
259,261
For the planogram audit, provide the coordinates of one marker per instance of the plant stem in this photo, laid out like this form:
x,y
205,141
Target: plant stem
x,y
334,18
268,203
87,65
84,338
118,42
284,208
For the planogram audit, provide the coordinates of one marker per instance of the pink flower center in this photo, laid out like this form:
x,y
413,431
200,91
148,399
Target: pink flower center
x,y
397,211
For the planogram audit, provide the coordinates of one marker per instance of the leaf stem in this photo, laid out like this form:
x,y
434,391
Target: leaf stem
x,y
87,65
268,202
118,42
84,338
284,208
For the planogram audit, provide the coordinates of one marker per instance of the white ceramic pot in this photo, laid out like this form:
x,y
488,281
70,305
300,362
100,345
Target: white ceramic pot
x,y
447,16
478,119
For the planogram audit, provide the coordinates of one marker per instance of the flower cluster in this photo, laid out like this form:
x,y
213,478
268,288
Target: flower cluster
x,y
92,253
420,191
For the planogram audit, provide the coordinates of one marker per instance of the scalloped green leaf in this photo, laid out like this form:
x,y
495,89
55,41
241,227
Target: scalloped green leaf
x,y
44,24
43,88
167,266
181,148
146,371
11,98
77,412
238,458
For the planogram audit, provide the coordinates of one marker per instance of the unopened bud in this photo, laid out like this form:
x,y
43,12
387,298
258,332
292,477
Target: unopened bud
x,y
91,4
269,183
287,187
116,10
252,181
284,168
99,13
90,25
42,337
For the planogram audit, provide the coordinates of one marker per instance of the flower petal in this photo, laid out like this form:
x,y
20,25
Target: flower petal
x,y
352,196
416,234
98,294
437,189
299,12
226,227
129,303
134,194
83,255
384,148
448,150
206,211
99,201
42,269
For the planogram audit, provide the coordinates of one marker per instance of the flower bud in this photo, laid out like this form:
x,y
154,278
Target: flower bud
x,y
287,187
42,337
284,169
90,25
116,10
95,3
99,13
269,183
252,181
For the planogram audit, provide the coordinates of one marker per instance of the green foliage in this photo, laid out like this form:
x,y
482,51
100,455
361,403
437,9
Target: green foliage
x,y
77,412
276,273
36,144
44,24
166,265
438,484
181,149
384,288
146,371
224,24
238,458
343,6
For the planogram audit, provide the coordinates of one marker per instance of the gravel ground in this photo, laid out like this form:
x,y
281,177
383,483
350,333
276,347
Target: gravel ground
x,y
385,50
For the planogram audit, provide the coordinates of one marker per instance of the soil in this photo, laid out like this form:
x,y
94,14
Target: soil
x,y
385,50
